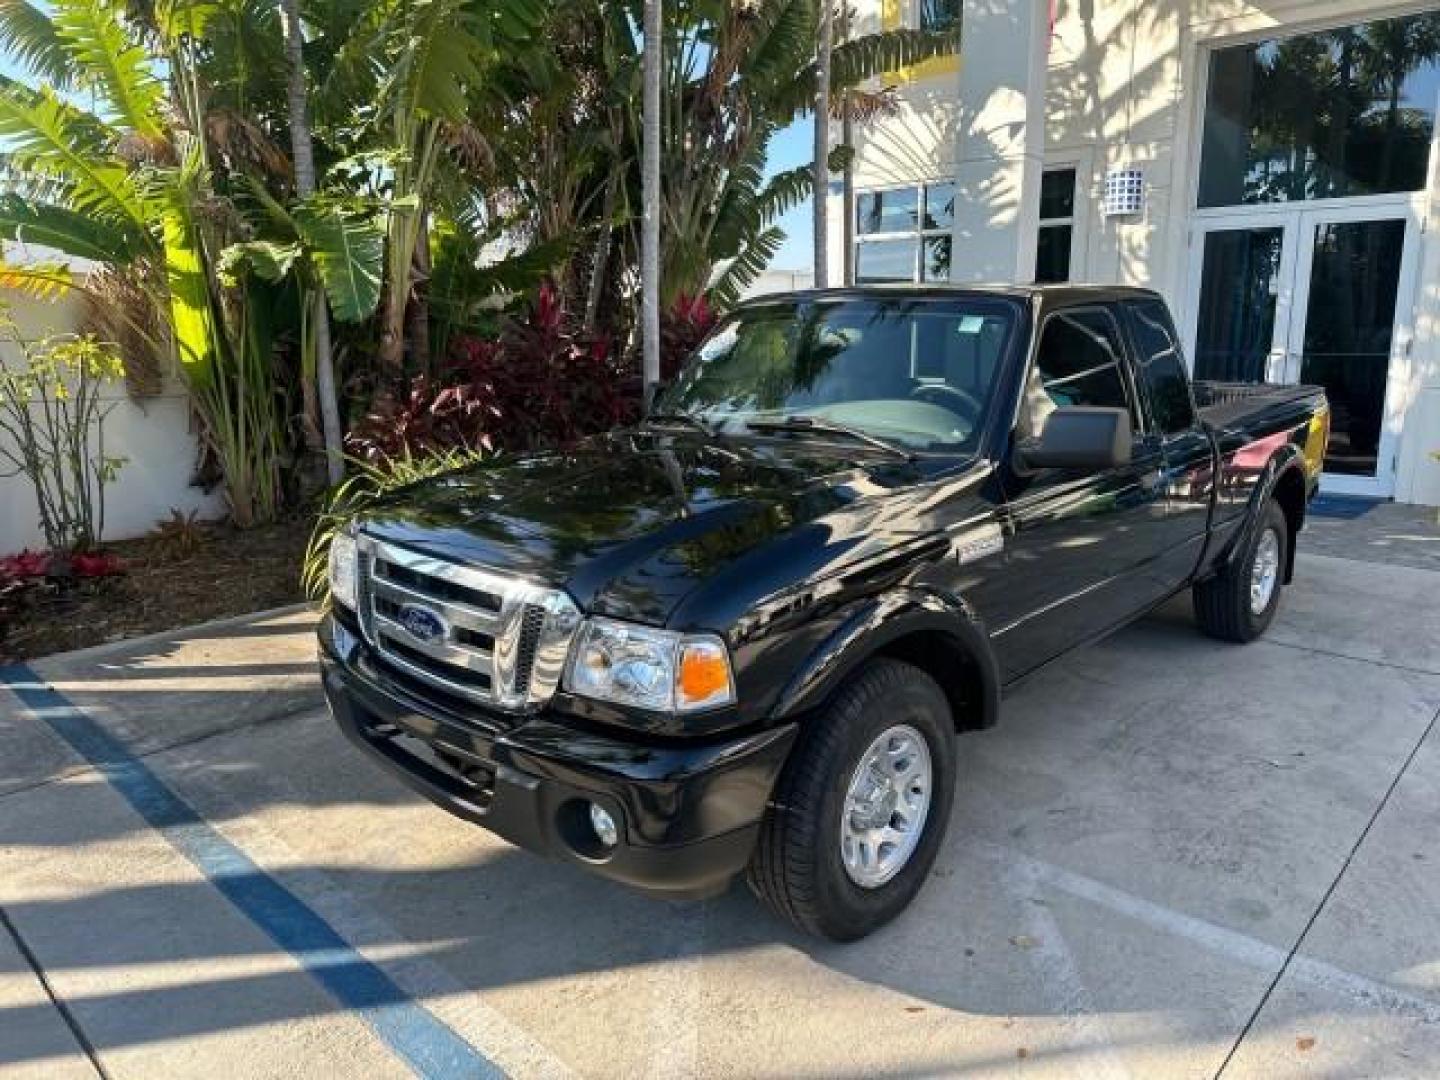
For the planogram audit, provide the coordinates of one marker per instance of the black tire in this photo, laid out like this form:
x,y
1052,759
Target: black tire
x,y
1223,605
797,869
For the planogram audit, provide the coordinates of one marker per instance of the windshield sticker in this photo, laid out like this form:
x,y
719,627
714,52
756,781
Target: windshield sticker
x,y
721,343
971,324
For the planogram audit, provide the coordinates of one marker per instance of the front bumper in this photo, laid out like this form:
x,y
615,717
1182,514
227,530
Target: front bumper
x,y
689,814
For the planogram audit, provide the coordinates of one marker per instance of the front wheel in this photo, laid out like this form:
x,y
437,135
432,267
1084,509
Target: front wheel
x,y
862,806
1240,603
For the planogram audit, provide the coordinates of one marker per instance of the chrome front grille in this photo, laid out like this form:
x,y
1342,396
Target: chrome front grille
x,y
467,631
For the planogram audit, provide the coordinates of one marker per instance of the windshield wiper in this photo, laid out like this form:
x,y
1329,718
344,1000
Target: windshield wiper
x,y
805,425
684,419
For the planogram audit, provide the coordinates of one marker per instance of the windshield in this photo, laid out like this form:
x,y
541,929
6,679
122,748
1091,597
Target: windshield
x,y
916,373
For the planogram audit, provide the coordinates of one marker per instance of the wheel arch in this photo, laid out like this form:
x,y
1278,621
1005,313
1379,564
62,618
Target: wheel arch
x,y
1288,491
934,631
1284,480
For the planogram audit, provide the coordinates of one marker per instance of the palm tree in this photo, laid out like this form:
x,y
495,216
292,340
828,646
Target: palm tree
x,y
650,239
302,151
823,48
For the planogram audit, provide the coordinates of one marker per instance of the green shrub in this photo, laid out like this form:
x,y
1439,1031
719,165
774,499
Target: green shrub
x,y
52,431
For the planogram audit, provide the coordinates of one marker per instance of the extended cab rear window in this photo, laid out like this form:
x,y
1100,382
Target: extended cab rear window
x,y
1160,366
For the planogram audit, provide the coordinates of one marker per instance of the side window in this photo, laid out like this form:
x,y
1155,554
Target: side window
x,y
1079,361
1160,366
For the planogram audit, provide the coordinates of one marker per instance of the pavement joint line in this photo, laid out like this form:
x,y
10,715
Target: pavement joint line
x,y
178,744
1221,940
1329,892
1346,656
66,1016
415,1035
1366,562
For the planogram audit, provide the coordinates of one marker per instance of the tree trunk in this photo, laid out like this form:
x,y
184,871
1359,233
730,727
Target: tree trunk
x,y
303,151
602,255
391,350
650,216
824,43
419,306
847,139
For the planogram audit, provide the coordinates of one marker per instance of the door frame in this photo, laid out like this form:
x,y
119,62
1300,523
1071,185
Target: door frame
x,y
1298,221
1397,376
1283,217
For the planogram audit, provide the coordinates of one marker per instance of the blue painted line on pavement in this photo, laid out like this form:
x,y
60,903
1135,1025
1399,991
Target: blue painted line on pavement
x,y
429,1046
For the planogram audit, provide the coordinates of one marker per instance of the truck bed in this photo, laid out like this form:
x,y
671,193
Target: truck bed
x,y
1228,404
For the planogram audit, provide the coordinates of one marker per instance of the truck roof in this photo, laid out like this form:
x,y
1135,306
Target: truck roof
x,y
1066,293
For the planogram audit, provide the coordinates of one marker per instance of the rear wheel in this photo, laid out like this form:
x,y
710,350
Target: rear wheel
x,y
862,806
1239,604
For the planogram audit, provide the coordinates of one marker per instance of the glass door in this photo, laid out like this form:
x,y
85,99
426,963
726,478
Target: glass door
x,y
1242,274
1320,296
1350,333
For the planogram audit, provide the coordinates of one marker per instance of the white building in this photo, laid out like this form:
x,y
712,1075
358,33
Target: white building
x,y
1269,165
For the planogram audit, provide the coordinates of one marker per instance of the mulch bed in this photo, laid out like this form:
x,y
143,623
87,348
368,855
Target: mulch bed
x,y
233,572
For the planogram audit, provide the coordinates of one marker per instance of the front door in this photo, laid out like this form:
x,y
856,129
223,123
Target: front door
x,y
1084,548
1319,296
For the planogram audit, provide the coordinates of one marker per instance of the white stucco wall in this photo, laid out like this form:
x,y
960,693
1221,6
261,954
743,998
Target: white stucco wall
x,y
153,434
778,281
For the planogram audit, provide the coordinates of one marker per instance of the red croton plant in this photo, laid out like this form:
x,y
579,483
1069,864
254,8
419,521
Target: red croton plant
x,y
21,575
544,381
33,565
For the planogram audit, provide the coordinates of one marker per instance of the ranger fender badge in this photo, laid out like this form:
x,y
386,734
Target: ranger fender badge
x,y
977,543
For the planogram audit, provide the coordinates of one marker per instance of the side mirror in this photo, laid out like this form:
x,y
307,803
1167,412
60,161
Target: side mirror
x,y
1080,438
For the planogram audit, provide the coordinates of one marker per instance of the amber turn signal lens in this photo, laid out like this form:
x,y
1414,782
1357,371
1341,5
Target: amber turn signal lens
x,y
704,676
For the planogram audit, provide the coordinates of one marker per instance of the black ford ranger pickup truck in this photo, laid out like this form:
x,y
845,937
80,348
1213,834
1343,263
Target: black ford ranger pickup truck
x,y
745,635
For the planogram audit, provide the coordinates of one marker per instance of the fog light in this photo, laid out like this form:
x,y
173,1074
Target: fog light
x,y
604,826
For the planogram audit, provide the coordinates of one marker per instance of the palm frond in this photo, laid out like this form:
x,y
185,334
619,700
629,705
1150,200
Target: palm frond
x,y
176,20
873,55
53,139
784,192
888,51
746,267
29,37
46,281
440,61
108,61
82,235
784,41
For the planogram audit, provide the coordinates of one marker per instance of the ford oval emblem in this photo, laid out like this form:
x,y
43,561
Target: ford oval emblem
x,y
422,623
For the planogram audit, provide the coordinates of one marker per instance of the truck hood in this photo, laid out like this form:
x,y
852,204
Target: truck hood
x,y
630,523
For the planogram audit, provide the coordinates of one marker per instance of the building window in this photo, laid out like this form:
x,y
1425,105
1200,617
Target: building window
x,y
1057,225
903,234
1322,116
938,15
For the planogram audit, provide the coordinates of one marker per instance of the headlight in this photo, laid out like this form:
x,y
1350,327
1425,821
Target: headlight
x,y
344,568
650,669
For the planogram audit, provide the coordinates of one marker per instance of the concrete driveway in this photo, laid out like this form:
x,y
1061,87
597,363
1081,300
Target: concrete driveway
x,y
1173,858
